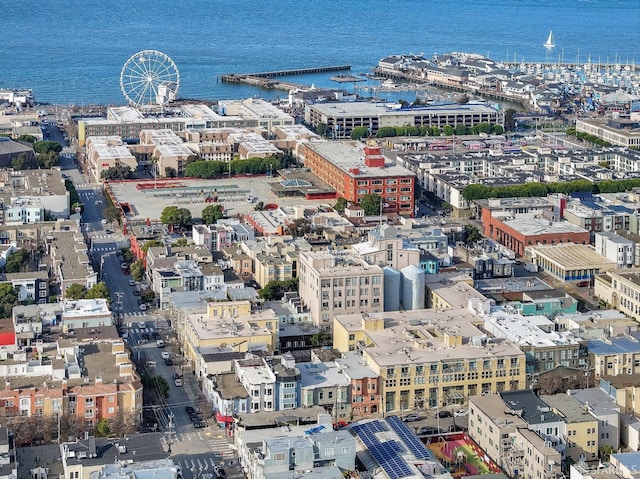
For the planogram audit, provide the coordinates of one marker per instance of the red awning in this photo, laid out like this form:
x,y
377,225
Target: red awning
x,y
222,418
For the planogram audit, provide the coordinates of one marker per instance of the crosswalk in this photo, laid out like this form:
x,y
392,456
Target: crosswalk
x,y
105,249
135,314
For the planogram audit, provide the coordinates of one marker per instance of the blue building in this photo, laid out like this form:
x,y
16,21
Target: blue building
x,y
288,386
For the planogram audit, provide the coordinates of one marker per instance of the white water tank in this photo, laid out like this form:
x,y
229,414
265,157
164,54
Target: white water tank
x,y
413,285
392,288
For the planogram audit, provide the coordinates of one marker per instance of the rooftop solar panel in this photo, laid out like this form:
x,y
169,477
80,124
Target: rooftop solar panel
x,y
386,454
417,448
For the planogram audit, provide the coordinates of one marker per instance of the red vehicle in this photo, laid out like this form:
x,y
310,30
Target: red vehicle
x,y
583,284
340,425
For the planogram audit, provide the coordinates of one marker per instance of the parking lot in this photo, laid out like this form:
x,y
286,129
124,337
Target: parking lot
x,y
147,198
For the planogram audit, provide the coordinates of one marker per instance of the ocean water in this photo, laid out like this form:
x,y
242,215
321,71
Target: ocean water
x,y
73,52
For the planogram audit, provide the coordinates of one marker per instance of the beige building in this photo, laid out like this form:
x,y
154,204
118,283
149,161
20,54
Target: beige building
x,y
167,148
339,283
104,152
568,261
620,289
385,247
428,358
227,325
582,428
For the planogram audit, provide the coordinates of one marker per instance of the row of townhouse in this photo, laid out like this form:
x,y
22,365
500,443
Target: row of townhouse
x,y
345,388
86,375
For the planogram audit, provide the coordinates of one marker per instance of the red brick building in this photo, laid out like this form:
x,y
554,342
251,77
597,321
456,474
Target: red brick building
x,y
355,170
519,231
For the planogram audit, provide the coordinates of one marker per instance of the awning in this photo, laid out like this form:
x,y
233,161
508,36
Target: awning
x,y
222,418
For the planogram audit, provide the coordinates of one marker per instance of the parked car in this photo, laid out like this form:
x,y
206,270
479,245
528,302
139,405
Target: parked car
x,y
168,361
103,221
190,410
340,425
456,428
136,292
412,418
142,325
427,430
143,307
160,343
199,424
165,355
442,414
461,413
124,265
583,284
145,336
177,382
132,282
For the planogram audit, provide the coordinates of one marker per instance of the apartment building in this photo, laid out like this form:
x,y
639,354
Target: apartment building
x,y
341,166
227,324
365,389
339,282
620,289
583,435
322,384
544,347
259,380
616,248
26,194
104,152
86,313
615,356
430,358
601,404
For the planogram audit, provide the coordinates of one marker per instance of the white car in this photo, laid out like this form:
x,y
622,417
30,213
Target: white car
x,y
165,355
103,221
177,382
142,325
461,412
143,307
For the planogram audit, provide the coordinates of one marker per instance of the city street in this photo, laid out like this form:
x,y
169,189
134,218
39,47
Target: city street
x,y
194,450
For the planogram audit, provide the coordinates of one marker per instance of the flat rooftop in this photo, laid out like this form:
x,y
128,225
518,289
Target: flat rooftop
x,y
526,330
214,327
369,109
149,201
568,407
349,156
419,336
531,225
573,256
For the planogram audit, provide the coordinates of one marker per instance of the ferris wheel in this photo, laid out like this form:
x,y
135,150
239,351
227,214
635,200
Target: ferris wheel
x,y
149,78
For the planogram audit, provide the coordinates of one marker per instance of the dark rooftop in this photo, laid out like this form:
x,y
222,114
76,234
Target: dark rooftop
x,y
534,410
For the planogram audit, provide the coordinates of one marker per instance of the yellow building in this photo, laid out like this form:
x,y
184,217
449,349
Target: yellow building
x,y
428,358
620,289
228,325
582,428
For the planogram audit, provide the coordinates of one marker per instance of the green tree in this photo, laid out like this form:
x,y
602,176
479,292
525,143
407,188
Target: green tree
x,y
321,129
102,428
275,289
386,131
359,132
174,216
341,205
99,290
118,172
484,127
150,244
47,146
447,130
75,291
148,296
497,129
48,159
18,261
212,213
27,138
509,119
112,214
156,385
471,234
126,254
259,206
24,162
137,270
8,299
181,242
370,203
321,338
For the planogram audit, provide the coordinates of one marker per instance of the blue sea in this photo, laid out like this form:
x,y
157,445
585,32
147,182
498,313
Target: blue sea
x,y
73,52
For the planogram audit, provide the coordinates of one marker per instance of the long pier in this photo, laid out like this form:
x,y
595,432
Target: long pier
x,y
295,71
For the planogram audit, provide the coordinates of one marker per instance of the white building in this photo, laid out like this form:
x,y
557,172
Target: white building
x,y
616,248
259,381
86,313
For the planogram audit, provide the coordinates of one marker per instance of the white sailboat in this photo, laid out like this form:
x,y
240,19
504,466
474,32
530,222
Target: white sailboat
x,y
550,43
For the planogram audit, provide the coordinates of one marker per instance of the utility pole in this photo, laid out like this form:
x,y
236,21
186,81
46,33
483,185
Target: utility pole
x,y
118,309
170,430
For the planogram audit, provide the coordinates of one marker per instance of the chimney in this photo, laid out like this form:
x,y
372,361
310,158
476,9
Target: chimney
x,y
64,384
98,380
7,385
